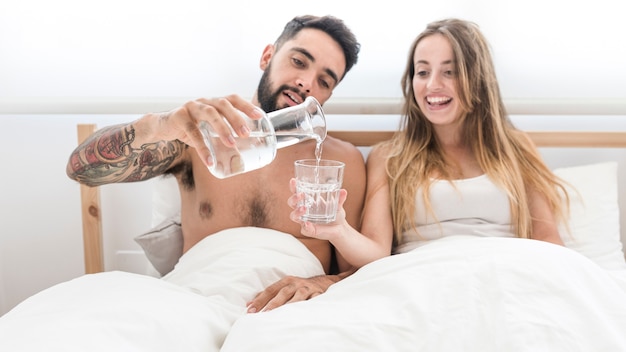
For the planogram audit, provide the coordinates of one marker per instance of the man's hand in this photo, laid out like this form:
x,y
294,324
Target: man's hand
x,y
182,123
290,289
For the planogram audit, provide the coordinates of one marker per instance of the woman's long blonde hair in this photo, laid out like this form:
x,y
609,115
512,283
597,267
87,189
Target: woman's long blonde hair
x,y
503,152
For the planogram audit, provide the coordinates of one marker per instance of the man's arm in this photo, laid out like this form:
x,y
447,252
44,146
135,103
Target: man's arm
x,y
156,142
112,155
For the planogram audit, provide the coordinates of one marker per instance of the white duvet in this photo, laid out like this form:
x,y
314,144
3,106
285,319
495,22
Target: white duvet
x,y
191,309
459,293
455,294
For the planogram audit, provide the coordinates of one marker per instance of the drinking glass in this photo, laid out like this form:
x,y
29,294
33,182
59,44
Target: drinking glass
x,y
320,182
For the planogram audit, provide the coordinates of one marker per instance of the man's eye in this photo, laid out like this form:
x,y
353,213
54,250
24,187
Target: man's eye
x,y
324,84
297,62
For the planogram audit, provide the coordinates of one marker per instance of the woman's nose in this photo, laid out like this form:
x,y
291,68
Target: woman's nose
x,y
434,82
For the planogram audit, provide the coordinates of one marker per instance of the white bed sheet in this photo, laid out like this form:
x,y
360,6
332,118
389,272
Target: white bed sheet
x,y
455,294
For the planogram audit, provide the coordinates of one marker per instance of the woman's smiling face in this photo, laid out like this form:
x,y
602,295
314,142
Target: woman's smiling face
x,y
435,80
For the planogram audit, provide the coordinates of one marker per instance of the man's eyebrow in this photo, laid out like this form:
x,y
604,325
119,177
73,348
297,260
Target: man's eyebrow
x,y
328,71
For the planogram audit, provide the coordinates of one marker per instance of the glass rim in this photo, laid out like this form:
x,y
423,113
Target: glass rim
x,y
322,163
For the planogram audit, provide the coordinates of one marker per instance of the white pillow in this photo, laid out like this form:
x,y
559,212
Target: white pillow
x,y
594,213
165,199
594,222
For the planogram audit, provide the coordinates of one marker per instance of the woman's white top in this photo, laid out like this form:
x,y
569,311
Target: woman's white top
x,y
473,206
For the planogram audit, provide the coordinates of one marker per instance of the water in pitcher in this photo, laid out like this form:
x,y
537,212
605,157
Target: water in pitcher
x,y
250,153
288,139
278,129
253,152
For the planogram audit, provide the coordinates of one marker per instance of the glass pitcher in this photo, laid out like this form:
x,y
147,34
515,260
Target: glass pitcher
x,y
275,130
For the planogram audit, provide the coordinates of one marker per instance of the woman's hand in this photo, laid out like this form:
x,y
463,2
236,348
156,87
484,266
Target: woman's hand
x,y
320,231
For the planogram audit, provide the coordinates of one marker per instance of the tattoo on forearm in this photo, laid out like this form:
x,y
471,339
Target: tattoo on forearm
x,y
108,157
129,138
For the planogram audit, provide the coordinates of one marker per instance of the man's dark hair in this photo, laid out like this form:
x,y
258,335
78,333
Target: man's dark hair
x,y
332,26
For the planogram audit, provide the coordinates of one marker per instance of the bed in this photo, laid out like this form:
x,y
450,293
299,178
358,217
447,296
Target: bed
x,y
457,293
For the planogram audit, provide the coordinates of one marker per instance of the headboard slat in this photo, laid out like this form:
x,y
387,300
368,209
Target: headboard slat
x,y
91,214
569,139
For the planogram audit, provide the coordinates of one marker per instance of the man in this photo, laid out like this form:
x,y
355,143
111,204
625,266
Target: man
x,y
310,57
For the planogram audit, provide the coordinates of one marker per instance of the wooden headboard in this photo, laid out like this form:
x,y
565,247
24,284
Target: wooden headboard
x,y
90,196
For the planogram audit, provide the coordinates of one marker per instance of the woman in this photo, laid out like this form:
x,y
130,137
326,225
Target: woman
x,y
458,166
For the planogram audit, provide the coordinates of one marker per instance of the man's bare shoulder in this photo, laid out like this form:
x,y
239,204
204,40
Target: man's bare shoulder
x,y
336,148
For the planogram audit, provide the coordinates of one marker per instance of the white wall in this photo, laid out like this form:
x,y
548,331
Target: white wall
x,y
41,233
133,49
190,48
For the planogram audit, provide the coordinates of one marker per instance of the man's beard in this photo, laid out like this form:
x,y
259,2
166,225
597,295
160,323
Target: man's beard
x,y
264,94
268,100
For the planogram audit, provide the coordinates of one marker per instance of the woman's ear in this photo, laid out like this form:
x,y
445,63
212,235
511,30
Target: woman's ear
x,y
268,52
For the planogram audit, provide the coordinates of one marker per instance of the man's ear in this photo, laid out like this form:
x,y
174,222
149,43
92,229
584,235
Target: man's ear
x,y
268,52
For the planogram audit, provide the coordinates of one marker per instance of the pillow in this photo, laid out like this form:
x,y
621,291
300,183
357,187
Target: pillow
x,y
163,245
165,199
593,224
594,213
